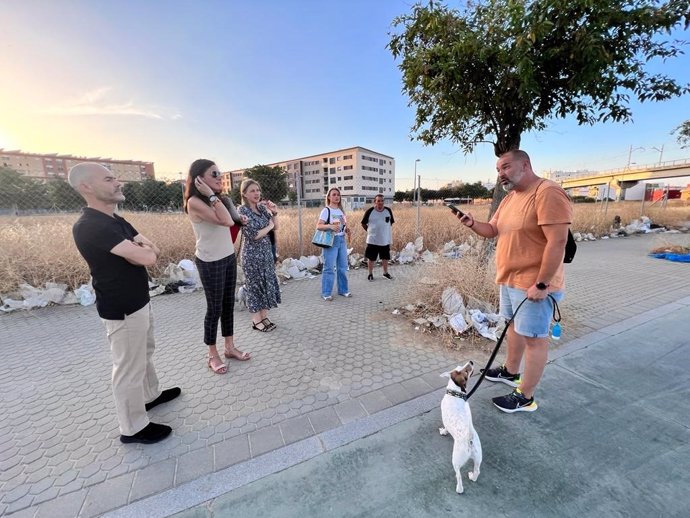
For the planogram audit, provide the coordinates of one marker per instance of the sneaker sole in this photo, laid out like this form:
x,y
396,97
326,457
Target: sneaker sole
x,y
508,382
529,408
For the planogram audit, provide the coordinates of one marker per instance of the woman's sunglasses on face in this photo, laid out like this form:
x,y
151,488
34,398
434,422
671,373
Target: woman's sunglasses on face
x,y
214,174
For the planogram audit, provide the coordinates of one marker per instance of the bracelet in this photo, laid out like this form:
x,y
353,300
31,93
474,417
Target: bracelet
x,y
470,226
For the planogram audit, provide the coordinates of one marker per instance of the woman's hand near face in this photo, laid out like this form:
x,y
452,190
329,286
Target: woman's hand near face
x,y
201,186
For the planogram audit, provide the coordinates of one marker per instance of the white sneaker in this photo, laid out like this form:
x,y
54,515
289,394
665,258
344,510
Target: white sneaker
x,y
348,294
328,299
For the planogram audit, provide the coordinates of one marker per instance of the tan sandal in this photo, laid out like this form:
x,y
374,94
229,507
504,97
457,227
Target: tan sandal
x,y
237,354
218,369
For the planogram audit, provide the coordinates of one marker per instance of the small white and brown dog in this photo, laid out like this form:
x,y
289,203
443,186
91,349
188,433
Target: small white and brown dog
x,y
457,420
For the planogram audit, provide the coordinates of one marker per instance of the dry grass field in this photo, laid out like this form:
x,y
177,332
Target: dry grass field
x,y
39,249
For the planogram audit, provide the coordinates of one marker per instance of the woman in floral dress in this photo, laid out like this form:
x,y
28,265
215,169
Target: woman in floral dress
x,y
258,262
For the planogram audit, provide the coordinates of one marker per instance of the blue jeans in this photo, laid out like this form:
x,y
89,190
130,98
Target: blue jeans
x,y
335,259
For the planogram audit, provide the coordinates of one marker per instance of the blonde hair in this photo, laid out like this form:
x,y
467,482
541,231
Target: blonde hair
x,y
328,195
246,184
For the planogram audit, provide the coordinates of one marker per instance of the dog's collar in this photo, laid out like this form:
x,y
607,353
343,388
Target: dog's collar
x,y
455,393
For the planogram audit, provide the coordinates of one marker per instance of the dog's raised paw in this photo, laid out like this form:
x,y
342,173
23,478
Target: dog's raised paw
x,y
471,475
443,431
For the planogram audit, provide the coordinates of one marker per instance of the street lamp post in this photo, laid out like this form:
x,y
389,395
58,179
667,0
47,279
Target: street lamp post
x,y
661,152
630,154
418,179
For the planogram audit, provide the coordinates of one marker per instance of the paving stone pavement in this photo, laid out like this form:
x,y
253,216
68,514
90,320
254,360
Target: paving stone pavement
x,y
326,365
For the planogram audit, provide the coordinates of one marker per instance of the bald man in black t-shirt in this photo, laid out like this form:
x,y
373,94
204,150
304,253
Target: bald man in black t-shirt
x,y
117,256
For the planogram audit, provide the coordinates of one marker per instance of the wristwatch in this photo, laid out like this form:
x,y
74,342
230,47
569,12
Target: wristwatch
x,y
541,286
213,198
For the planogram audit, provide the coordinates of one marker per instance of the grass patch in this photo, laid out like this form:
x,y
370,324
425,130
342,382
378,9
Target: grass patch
x,y
40,249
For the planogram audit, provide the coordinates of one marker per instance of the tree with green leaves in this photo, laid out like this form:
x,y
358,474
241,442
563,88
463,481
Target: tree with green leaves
x,y
273,181
62,196
683,134
292,196
19,192
499,68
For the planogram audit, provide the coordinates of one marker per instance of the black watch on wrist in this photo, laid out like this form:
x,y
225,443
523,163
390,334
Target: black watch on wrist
x,y
541,286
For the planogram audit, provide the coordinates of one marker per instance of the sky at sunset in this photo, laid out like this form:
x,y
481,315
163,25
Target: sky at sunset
x,y
249,82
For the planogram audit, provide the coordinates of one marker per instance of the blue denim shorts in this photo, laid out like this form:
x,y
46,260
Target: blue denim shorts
x,y
534,318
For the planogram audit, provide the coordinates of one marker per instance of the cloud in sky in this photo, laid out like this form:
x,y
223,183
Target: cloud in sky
x,y
101,102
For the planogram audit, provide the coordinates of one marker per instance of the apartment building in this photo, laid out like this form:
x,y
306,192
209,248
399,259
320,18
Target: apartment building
x,y
358,172
51,166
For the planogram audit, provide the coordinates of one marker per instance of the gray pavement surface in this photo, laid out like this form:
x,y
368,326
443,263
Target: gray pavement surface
x,y
342,381
612,438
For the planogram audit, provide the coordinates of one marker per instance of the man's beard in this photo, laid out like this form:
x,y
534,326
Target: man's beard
x,y
508,186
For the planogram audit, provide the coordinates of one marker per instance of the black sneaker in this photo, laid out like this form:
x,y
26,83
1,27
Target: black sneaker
x,y
502,375
166,395
388,276
151,433
515,402
370,277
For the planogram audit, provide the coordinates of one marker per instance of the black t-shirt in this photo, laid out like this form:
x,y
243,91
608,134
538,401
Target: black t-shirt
x,y
121,287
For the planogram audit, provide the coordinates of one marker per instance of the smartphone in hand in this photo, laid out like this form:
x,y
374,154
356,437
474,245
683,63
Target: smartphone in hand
x,y
456,210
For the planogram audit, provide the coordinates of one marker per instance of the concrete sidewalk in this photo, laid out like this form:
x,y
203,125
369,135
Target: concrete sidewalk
x,y
611,438
331,374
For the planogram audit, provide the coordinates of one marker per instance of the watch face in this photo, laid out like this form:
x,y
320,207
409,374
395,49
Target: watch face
x,y
541,286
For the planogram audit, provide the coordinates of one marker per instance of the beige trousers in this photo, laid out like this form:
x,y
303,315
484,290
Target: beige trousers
x,y
134,377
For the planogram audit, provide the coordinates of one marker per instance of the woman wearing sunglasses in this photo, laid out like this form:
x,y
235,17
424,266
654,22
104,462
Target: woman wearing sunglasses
x,y
211,216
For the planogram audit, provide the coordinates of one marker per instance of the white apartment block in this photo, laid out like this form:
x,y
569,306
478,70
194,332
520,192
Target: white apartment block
x,y
358,172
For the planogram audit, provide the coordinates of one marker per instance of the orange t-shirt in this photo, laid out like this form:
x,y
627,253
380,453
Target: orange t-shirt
x,y
521,241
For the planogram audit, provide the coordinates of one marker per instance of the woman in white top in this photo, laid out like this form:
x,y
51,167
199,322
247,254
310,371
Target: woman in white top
x,y
332,218
215,256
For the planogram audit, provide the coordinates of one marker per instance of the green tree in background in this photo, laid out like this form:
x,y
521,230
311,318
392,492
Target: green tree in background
x,y
683,134
500,68
155,195
62,196
19,192
235,195
133,196
273,181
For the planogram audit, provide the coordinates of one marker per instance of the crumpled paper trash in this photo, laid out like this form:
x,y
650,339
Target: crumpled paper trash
x,y
452,302
407,254
53,293
296,268
458,323
486,324
85,295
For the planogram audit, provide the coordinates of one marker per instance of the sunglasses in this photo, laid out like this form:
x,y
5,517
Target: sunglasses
x,y
215,174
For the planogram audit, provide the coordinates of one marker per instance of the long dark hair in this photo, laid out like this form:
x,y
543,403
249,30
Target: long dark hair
x,y
198,168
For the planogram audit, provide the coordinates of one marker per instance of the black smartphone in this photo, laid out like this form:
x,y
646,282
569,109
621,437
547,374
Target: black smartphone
x,y
456,210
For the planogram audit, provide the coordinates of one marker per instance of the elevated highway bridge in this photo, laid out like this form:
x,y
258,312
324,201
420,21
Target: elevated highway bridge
x,y
626,177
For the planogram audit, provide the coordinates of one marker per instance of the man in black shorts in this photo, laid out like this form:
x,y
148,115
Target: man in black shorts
x,y
378,222
117,256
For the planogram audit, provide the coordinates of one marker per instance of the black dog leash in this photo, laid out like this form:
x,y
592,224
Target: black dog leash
x,y
556,318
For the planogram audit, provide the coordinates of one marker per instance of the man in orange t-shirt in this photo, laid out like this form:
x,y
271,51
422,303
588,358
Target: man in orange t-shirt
x,y
531,224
